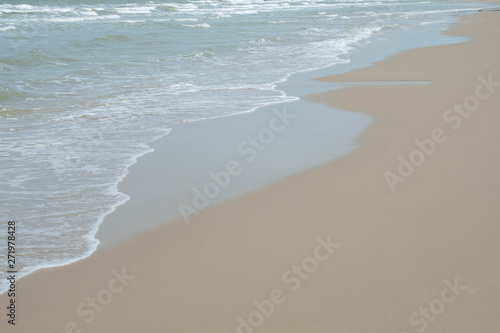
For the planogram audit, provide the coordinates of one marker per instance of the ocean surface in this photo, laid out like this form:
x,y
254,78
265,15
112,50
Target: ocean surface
x,y
85,86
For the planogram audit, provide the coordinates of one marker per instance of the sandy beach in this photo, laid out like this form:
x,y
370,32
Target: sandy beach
x,y
398,235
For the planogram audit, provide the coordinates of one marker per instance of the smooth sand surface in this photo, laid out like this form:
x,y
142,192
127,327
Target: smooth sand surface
x,y
400,252
308,135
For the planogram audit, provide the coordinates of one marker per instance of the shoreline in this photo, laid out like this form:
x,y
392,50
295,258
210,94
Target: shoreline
x,y
378,49
295,85
254,196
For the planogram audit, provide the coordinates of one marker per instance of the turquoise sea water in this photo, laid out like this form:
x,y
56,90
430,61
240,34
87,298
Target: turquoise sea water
x,y
85,86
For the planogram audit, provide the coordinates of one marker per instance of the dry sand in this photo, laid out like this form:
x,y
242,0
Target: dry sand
x,y
399,251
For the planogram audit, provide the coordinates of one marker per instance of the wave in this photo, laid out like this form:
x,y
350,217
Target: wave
x,y
136,10
200,25
7,28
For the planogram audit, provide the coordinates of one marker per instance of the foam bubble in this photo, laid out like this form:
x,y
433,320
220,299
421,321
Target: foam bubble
x,y
7,28
201,25
80,19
